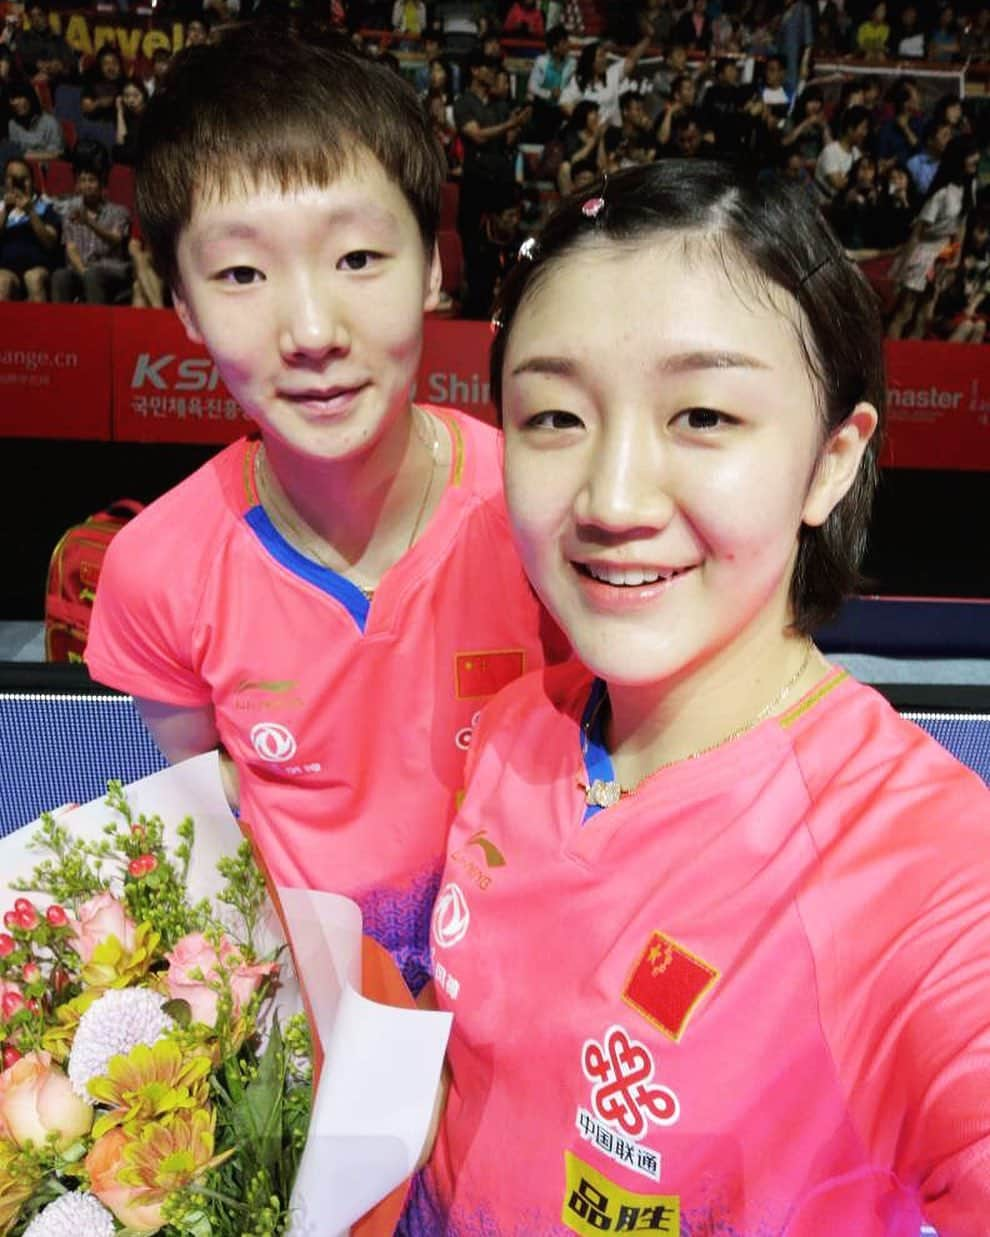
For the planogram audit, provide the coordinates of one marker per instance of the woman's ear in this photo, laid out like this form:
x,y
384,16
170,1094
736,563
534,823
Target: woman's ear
x,y
434,281
186,317
839,463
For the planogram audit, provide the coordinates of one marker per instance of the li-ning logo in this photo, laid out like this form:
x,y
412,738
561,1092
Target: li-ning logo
x,y
273,742
275,686
267,696
451,916
493,858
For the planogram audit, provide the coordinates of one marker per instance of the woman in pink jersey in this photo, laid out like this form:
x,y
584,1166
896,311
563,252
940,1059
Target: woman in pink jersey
x,y
713,922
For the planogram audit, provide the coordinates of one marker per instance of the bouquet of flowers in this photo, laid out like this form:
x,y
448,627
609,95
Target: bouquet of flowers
x,y
157,1065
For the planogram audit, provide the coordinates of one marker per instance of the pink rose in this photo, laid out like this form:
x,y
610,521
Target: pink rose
x,y
99,918
37,1099
194,965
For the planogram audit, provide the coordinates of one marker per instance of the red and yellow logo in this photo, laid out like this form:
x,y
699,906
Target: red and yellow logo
x,y
667,984
595,1205
487,671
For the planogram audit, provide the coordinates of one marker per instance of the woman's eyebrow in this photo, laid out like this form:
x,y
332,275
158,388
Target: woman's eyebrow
x,y
677,363
682,362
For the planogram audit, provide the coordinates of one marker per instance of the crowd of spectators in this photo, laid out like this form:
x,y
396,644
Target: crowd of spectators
x,y
528,106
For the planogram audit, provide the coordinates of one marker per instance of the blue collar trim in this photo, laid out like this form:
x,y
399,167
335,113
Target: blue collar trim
x,y
329,581
597,761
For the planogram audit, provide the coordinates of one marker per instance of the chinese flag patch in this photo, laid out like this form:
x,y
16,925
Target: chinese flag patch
x,y
667,984
486,672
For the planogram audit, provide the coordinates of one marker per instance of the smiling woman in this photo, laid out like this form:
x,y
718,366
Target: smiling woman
x,y
743,900
311,303
314,598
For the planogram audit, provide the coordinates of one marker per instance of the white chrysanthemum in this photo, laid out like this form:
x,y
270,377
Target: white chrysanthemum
x,y
114,1024
72,1215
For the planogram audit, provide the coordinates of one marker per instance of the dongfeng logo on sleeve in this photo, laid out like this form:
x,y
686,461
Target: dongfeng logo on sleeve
x,y
451,916
273,741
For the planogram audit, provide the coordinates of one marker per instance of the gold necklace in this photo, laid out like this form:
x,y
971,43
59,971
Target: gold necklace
x,y
295,529
607,792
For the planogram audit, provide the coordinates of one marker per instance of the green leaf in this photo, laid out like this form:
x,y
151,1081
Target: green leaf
x,y
179,1010
258,1115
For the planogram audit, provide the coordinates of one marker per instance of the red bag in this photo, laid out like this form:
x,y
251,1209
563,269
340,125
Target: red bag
x,y
73,574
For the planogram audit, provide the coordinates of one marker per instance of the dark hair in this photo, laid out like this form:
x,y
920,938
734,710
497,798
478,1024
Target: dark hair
x,y
583,165
678,82
444,64
474,61
24,90
391,61
779,233
614,139
810,94
556,35
852,118
900,96
138,84
101,55
584,74
862,161
253,107
942,105
89,155
8,164
579,117
684,120
951,170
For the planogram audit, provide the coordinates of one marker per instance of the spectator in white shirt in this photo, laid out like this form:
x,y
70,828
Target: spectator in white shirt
x,y
599,81
832,168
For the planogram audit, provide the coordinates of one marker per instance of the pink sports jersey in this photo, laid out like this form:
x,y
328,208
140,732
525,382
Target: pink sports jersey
x,y
348,720
753,998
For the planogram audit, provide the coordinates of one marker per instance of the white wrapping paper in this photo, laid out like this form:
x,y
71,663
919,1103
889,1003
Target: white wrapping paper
x,y
375,1098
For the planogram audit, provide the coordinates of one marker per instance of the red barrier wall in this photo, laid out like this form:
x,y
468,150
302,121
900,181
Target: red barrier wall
x,y
69,371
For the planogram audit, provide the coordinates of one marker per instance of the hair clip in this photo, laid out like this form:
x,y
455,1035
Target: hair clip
x,y
593,207
496,324
528,249
816,268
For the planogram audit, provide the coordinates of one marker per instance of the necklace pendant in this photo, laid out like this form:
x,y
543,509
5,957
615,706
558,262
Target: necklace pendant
x,y
602,794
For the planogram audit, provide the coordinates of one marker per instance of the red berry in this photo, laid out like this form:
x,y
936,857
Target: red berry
x,y
11,1004
142,865
22,905
34,1005
56,916
31,973
11,919
28,918
7,944
10,1056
